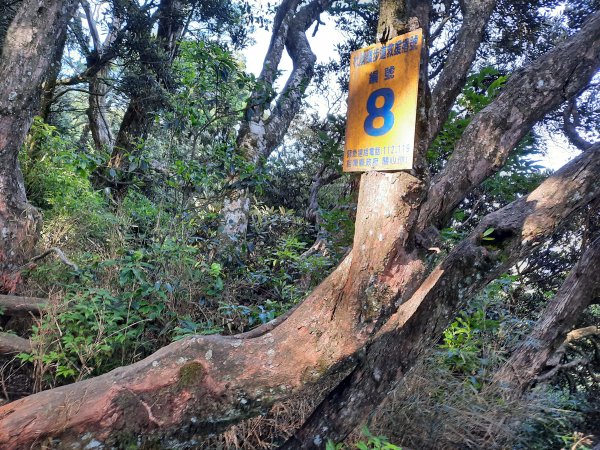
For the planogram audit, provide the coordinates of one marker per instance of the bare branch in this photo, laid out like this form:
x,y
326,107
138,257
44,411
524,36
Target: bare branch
x,y
92,26
582,333
569,365
570,126
60,255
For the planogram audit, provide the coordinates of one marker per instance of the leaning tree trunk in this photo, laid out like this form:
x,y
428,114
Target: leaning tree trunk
x,y
27,51
580,289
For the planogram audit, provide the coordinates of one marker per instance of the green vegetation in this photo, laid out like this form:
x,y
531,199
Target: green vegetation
x,y
144,224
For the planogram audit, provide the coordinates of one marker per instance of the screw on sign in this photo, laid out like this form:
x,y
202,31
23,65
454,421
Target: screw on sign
x,y
382,105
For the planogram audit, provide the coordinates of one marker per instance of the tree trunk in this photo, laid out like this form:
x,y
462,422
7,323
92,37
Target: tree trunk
x,y
49,85
9,343
581,288
142,107
96,112
8,10
201,384
258,137
27,53
518,228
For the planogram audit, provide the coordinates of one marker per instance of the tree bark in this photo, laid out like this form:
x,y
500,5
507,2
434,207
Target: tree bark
x,y
30,42
9,343
258,137
96,112
98,86
49,85
518,229
8,10
200,384
12,304
530,358
529,94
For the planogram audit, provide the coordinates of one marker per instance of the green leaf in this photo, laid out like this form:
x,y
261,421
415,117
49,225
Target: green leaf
x,y
488,232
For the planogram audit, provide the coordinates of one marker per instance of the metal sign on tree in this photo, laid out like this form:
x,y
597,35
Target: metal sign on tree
x,y
382,105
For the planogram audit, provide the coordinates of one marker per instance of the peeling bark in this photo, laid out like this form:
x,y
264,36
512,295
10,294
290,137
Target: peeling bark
x,y
32,37
533,355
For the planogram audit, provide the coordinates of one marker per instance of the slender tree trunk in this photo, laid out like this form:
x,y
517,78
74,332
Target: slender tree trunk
x,y
258,137
27,52
49,86
580,289
97,111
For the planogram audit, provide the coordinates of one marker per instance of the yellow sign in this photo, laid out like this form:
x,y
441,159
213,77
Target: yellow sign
x,y
382,105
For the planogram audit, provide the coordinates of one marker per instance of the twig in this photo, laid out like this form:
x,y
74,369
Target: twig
x,y
60,255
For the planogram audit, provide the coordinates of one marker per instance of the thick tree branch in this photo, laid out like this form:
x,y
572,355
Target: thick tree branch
x,y
12,304
257,138
476,14
304,60
530,94
519,228
581,287
9,343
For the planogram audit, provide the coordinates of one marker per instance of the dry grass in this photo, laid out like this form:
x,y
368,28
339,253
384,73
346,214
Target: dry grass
x,y
433,409
264,432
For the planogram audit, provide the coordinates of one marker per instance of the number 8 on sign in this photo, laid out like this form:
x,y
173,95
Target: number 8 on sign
x,y
384,111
